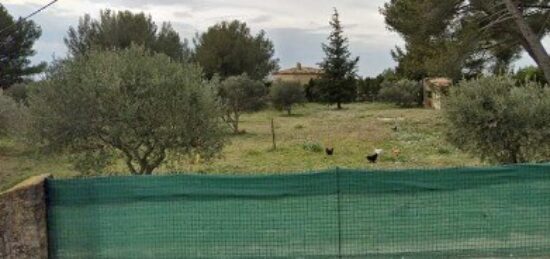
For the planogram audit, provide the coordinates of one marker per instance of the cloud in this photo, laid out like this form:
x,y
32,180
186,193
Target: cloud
x,y
261,19
297,27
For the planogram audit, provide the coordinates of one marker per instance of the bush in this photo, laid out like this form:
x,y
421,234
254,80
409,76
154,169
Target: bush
x,y
126,103
312,90
284,95
18,92
498,121
404,93
241,94
368,88
312,147
13,116
530,73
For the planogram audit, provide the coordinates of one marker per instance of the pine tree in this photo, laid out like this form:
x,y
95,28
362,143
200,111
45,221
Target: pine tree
x,y
16,46
338,84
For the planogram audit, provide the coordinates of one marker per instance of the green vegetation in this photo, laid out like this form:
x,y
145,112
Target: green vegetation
x,y
143,107
354,133
140,106
16,47
498,121
464,39
530,73
229,49
338,84
119,30
285,95
239,94
12,116
404,93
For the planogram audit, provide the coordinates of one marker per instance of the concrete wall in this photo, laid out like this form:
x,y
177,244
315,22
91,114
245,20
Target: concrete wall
x,y
23,225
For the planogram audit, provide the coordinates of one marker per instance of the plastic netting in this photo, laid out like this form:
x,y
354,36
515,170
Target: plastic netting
x,y
497,212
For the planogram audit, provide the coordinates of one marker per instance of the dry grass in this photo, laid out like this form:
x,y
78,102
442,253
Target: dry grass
x,y
354,132
18,163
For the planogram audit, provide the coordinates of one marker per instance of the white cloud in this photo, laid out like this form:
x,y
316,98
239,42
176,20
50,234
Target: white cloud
x,y
297,27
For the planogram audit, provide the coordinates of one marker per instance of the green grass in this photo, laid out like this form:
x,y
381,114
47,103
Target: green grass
x,y
18,162
354,132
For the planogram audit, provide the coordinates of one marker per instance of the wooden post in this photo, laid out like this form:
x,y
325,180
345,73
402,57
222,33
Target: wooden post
x,y
273,134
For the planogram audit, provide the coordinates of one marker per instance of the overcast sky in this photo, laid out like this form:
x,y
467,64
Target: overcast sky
x,y
297,27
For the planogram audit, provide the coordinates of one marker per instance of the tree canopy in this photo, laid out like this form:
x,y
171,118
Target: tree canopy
x,y
459,38
285,95
119,30
229,49
127,103
499,121
17,38
239,94
338,84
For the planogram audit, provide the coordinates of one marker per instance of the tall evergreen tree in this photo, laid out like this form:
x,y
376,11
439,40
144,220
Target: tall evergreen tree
x,y
338,84
16,41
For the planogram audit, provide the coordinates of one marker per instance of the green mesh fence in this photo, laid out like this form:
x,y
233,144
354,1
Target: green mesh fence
x,y
498,212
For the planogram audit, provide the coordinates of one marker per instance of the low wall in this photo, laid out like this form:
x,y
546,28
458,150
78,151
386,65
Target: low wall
x,y
23,229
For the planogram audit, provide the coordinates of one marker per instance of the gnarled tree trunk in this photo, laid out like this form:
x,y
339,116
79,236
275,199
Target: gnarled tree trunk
x,y
534,46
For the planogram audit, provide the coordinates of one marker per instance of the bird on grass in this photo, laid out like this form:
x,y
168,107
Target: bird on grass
x,y
396,152
373,158
329,151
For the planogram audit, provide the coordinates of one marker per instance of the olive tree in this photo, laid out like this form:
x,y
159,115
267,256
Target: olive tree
x,y
404,93
128,103
499,121
284,95
239,94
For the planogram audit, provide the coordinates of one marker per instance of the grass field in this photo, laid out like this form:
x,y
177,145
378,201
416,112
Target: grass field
x,y
354,132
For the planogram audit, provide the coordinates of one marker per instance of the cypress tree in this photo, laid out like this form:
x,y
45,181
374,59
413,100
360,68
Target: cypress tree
x,y
338,84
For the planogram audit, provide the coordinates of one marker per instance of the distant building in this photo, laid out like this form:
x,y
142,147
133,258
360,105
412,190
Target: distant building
x,y
435,90
298,74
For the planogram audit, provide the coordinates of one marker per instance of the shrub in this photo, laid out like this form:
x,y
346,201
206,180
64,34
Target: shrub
x,y
312,90
368,88
241,94
404,93
284,95
18,92
311,146
126,103
498,121
530,73
13,116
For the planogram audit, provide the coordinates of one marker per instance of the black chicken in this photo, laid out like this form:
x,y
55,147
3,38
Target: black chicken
x,y
373,158
329,151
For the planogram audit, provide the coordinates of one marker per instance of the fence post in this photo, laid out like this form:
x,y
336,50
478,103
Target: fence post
x,y
273,134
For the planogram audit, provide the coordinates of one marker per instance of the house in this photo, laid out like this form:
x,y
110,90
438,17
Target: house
x,y
299,73
435,90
